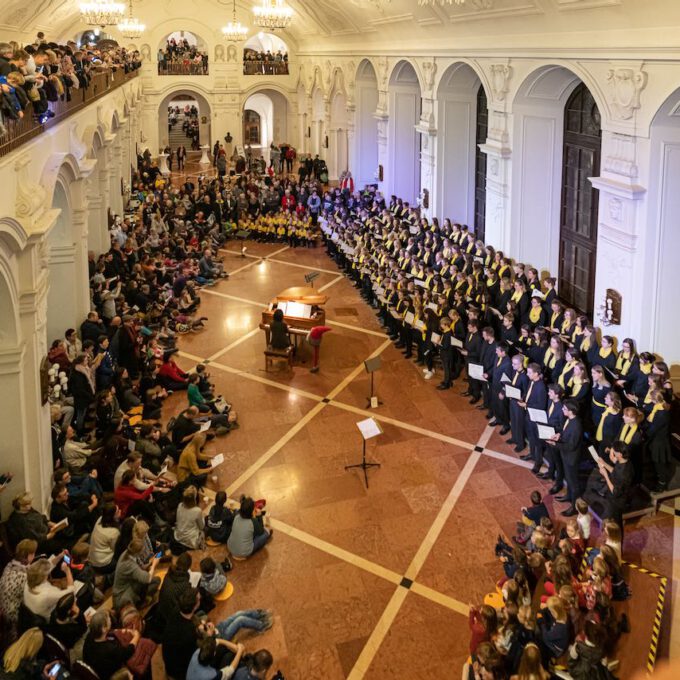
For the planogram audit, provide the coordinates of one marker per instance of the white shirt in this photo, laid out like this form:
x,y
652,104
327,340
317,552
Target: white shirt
x,y
43,599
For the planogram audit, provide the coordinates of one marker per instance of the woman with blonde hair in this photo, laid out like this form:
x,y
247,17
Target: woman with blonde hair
x,y
530,666
188,467
12,584
19,660
41,596
554,630
190,521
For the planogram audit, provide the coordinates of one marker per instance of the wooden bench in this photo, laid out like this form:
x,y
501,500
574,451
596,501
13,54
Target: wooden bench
x,y
271,355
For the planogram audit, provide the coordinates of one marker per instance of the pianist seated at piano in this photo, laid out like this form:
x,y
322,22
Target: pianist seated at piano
x,y
280,339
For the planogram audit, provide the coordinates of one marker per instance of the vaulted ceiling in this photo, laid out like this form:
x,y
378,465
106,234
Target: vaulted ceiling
x,y
398,26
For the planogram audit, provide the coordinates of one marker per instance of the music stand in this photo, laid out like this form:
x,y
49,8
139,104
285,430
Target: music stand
x,y
309,278
371,366
369,428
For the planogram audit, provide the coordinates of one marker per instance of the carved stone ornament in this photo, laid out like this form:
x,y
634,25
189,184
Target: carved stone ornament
x,y
429,73
616,209
625,86
500,80
78,147
382,73
30,199
219,53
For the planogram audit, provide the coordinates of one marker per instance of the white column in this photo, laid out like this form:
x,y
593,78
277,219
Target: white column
x,y
621,265
498,177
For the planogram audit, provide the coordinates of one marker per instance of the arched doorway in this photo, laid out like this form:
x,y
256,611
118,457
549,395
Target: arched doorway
x,y
482,132
658,260
253,131
403,172
174,133
271,107
538,112
578,222
365,156
461,175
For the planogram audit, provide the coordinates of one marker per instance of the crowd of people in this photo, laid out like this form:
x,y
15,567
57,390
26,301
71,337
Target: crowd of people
x,y
180,57
127,503
554,605
543,373
36,75
264,62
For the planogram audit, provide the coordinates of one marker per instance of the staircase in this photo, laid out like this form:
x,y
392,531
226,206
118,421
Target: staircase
x,y
176,136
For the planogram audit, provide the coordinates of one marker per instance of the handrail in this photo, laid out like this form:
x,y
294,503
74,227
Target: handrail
x,y
253,67
182,69
18,132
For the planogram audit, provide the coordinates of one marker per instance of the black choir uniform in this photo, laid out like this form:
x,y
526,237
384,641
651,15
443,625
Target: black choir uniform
x,y
569,448
520,380
556,419
536,396
499,407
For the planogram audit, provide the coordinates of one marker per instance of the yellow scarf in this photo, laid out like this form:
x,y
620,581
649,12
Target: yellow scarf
x,y
608,411
585,345
655,410
516,296
605,352
514,377
535,314
551,408
567,367
646,368
490,282
553,319
549,358
575,386
627,433
565,326
623,362
531,387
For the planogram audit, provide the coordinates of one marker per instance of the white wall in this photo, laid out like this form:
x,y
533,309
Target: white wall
x,y
365,157
403,172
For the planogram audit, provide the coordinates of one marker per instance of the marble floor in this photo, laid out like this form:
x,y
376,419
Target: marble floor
x,y
365,583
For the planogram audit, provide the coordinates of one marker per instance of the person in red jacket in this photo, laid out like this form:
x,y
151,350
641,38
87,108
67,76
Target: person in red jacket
x,y
314,339
171,376
288,202
132,501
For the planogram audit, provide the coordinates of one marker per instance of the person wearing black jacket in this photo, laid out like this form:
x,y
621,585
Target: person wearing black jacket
x,y
658,446
497,401
520,380
93,327
535,397
446,354
555,469
472,348
488,360
568,444
81,388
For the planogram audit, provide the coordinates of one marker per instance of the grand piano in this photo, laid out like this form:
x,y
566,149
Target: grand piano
x,y
302,310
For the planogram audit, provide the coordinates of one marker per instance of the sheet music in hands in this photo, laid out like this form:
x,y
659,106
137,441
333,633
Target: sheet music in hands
x,y
217,460
513,392
476,372
536,415
408,319
369,428
545,431
593,452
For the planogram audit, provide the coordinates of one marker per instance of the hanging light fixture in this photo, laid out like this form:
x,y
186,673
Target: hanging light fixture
x,y
102,13
273,14
130,27
235,31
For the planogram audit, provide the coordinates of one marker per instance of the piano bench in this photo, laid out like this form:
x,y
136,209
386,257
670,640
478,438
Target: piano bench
x,y
271,355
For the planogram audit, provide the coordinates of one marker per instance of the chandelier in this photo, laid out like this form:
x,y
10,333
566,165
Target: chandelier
x,y
130,27
273,14
235,31
102,13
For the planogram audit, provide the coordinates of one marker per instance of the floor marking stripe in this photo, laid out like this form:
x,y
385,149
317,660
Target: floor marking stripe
x,y
236,343
368,331
332,283
341,553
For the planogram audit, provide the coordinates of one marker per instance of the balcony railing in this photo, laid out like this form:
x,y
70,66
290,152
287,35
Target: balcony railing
x,y
20,131
181,69
265,68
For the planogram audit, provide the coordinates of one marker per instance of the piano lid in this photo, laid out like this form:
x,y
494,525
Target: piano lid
x,y
304,294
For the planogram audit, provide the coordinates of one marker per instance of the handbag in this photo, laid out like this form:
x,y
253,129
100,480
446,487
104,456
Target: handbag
x,y
140,662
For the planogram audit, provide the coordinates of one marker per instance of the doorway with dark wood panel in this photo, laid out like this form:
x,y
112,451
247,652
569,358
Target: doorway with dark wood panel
x,y
579,207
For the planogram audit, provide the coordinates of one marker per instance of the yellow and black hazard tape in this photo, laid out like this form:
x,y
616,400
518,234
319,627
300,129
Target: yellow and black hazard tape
x,y
658,613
